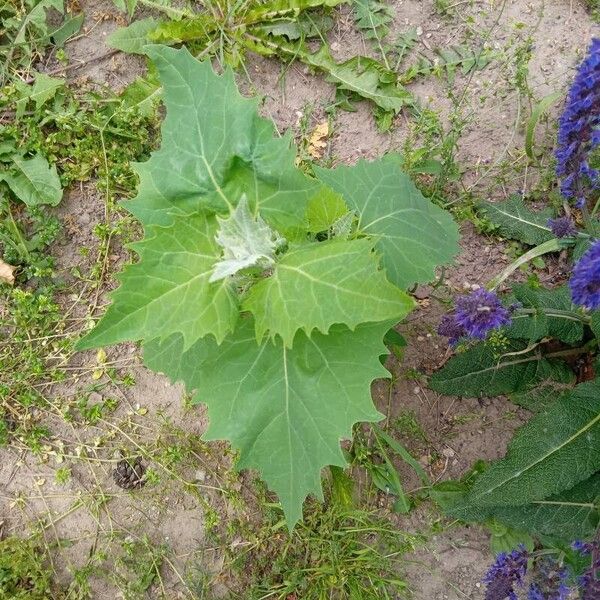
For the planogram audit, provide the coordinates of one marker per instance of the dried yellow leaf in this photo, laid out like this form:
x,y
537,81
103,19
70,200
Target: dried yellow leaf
x,y
6,273
316,141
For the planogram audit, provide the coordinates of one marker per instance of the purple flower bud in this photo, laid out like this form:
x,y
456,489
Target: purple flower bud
x,y
507,571
480,312
449,328
582,547
562,227
585,282
549,582
589,582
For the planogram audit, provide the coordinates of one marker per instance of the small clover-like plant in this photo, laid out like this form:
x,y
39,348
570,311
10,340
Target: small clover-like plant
x,y
541,347
249,291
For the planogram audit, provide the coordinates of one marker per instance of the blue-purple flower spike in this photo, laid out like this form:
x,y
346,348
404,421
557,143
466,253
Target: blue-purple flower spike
x,y
550,582
577,134
585,282
480,312
507,571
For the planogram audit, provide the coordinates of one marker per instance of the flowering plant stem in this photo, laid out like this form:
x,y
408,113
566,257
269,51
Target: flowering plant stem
x,y
549,246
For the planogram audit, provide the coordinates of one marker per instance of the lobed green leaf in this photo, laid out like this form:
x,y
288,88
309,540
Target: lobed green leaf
x,y
169,290
413,235
285,410
320,284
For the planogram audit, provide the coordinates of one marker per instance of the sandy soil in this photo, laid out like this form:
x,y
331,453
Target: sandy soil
x,y
458,430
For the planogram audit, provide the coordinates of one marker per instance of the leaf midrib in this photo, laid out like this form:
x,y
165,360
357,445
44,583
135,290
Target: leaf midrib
x,y
542,458
520,219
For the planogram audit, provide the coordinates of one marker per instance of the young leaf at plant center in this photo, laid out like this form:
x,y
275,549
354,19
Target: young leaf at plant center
x,y
324,210
143,93
518,222
246,242
319,284
480,371
272,401
556,450
33,180
413,235
505,539
169,290
200,166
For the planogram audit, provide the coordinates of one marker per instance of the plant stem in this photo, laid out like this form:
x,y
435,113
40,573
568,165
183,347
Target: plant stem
x,y
549,246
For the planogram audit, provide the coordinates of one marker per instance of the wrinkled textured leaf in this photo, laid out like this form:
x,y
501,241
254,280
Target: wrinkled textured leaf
x,y
596,323
320,284
33,180
539,395
414,236
480,371
554,451
518,222
285,410
246,241
567,328
200,165
134,37
169,290
571,515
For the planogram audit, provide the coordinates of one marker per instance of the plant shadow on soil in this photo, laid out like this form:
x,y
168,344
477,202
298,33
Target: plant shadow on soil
x,y
192,494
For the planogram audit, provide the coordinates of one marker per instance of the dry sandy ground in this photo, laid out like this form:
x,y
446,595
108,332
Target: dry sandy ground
x,y
451,564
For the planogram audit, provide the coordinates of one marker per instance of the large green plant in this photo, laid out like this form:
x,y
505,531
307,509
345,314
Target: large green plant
x,y
261,288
